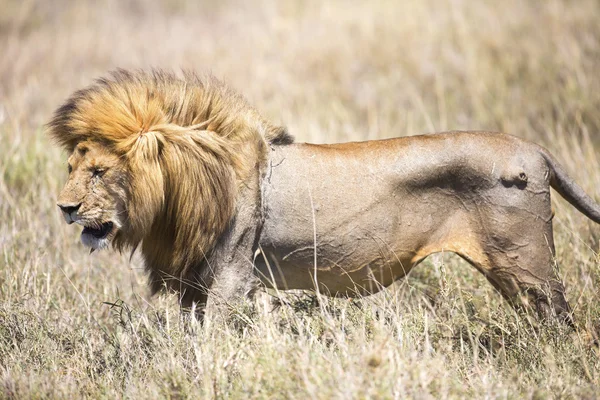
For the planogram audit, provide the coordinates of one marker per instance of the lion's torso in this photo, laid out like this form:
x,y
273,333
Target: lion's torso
x,y
376,209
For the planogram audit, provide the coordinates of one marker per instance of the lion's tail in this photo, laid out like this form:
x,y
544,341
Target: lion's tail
x,y
570,190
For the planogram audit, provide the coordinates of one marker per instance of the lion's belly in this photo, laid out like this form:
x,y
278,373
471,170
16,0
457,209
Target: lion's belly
x,y
338,271
358,250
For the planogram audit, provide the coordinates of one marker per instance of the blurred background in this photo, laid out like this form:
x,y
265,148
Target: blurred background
x,y
330,71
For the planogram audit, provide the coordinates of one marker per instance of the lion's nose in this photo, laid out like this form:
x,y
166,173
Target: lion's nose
x,y
69,209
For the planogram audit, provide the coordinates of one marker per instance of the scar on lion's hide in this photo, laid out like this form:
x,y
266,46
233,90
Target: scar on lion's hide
x,y
184,169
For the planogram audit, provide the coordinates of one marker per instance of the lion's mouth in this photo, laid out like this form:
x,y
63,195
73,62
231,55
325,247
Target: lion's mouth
x,y
98,232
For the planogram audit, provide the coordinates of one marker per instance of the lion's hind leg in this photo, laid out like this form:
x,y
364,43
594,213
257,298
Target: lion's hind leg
x,y
515,251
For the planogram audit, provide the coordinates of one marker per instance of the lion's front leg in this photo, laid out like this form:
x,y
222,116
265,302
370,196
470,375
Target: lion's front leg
x,y
232,280
228,278
233,283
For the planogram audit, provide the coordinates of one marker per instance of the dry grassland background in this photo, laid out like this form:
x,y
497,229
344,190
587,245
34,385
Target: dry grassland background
x,y
79,325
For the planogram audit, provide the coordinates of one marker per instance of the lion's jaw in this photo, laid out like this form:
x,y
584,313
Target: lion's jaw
x,y
94,195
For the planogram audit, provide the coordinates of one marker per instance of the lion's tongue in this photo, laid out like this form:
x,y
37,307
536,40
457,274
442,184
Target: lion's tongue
x,y
99,233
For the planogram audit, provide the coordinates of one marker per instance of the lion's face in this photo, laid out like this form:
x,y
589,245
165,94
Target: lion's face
x,y
95,194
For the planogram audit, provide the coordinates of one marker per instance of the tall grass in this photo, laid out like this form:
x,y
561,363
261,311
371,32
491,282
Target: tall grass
x,y
80,325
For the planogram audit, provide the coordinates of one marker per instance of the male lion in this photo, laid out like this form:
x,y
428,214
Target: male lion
x,y
219,199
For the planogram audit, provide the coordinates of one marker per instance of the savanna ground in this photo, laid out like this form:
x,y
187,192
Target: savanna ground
x,y
80,325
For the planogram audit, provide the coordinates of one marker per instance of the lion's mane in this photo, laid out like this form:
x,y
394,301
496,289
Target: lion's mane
x,y
189,143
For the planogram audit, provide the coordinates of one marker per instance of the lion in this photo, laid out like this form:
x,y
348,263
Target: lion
x,y
220,200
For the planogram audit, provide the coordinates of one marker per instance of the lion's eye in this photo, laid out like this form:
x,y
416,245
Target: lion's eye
x,y
69,168
98,172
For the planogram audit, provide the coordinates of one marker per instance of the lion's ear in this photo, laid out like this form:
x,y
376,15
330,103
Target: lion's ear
x,y
146,185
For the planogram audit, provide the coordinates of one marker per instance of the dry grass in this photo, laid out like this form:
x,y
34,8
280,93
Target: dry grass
x,y
331,71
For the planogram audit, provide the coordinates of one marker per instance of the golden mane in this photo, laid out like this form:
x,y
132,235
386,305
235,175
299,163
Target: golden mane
x,y
189,143
128,104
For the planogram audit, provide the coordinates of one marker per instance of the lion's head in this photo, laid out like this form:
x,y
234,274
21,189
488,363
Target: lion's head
x,y
157,159
95,195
